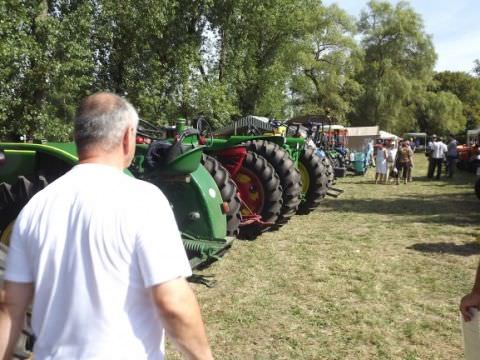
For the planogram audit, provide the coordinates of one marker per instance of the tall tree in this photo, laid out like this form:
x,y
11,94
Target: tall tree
x,y
466,88
440,113
46,64
398,64
476,68
252,38
323,76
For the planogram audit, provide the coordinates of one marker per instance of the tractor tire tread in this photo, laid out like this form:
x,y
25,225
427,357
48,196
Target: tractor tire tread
x,y
272,190
288,173
228,191
318,182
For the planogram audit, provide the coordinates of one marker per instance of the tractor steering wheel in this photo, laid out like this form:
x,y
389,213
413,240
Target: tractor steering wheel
x,y
205,132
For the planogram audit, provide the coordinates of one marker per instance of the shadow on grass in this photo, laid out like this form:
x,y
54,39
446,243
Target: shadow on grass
x,y
454,209
472,248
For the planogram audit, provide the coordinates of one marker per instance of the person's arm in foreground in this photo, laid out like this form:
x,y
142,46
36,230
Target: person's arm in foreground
x,y
14,300
472,299
180,313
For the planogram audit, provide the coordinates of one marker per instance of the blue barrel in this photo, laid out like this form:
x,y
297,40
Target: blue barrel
x,y
359,163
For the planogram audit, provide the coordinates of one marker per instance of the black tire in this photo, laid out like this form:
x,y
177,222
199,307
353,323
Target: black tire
x,y
334,161
318,182
259,167
477,188
329,172
14,197
288,173
228,190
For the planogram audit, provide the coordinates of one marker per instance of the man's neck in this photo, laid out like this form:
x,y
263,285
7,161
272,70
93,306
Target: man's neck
x,y
107,160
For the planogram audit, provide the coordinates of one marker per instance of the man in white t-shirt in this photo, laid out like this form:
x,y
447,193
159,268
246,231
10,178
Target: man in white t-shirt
x,y
437,156
101,256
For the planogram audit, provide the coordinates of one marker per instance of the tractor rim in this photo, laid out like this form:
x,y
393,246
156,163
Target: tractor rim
x,y
251,192
304,177
5,235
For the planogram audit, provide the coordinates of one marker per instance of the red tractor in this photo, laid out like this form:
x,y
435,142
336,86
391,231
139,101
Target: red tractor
x,y
469,153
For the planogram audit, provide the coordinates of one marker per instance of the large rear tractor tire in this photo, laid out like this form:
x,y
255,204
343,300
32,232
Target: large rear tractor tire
x,y
228,190
260,193
14,197
289,176
314,181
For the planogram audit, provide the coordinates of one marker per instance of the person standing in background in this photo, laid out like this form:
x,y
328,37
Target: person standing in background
x,y
391,157
413,144
452,155
437,156
381,164
404,161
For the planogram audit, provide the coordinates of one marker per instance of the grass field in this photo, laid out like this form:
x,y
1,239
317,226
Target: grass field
x,y
375,274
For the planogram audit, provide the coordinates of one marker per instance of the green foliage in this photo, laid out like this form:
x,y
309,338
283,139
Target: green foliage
x,y
441,113
47,68
466,88
253,37
324,64
223,59
398,64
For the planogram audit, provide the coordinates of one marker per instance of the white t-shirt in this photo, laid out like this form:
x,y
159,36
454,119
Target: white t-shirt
x,y
93,242
438,149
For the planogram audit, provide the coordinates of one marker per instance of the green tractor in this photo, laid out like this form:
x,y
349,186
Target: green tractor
x,y
248,183
175,167
305,177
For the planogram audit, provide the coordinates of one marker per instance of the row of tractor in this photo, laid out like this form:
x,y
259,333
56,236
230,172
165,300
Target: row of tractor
x,y
221,185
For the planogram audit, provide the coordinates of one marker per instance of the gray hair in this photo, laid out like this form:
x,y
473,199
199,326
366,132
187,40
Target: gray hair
x,y
101,121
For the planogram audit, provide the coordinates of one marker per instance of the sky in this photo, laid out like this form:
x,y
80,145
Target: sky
x,y
453,24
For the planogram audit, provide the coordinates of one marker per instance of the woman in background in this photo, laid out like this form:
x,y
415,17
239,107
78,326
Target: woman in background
x,y
381,165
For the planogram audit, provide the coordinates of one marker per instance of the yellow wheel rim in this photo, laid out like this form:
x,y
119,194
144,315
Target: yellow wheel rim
x,y
5,235
305,177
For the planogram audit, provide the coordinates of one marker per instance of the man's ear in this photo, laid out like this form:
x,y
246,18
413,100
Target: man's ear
x,y
127,136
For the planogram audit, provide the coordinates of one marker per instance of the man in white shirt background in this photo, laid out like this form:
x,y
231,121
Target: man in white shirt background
x,y
437,156
107,278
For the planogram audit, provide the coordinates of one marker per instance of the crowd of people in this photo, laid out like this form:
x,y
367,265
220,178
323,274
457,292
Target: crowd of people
x,y
395,164
438,152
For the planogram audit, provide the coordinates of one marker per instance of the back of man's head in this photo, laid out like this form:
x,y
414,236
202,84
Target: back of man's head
x,y
101,121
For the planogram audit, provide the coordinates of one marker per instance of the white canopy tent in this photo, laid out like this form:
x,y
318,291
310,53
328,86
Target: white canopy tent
x,y
385,135
359,136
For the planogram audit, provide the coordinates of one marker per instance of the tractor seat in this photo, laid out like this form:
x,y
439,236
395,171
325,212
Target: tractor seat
x,y
161,153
